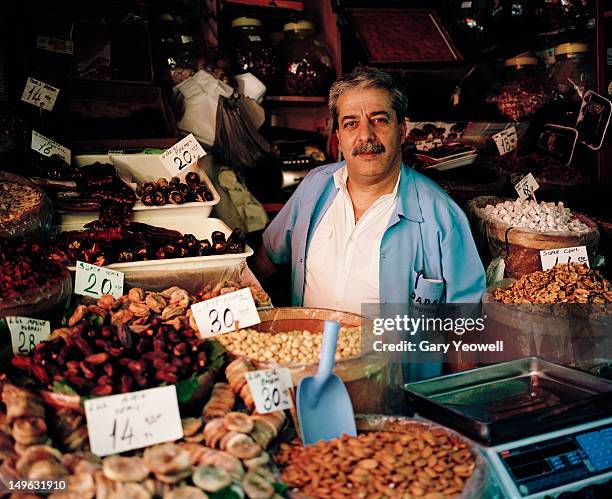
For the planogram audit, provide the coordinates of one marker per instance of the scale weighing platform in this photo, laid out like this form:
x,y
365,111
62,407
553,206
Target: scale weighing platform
x,y
505,408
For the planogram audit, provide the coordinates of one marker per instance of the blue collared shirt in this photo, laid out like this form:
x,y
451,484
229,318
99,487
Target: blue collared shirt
x,y
426,233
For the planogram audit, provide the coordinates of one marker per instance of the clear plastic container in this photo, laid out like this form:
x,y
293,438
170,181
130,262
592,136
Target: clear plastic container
x,y
250,50
521,92
306,63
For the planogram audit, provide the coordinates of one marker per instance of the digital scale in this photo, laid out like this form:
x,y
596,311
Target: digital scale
x,y
501,407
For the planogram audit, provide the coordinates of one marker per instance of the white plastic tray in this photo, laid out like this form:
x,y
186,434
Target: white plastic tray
x,y
202,229
144,168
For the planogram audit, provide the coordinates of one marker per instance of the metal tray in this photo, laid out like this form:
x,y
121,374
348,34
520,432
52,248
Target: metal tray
x,y
511,400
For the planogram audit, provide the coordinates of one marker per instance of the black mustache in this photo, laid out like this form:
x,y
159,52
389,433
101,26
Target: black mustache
x,y
369,147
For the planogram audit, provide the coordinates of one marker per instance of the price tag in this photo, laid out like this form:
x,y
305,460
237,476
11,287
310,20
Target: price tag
x,y
218,315
182,154
254,38
575,254
54,45
128,421
186,39
270,389
48,147
39,94
26,333
506,140
466,5
526,186
94,281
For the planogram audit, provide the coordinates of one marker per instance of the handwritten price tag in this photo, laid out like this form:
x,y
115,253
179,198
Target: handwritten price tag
x,y
94,281
270,389
526,186
128,421
218,315
575,254
182,155
54,45
506,140
39,94
48,147
26,333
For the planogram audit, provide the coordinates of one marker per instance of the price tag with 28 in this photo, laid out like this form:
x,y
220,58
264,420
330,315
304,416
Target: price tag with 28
x,y
270,389
182,155
26,333
221,314
94,281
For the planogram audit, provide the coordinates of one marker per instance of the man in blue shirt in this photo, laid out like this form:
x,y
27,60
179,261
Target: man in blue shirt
x,y
370,229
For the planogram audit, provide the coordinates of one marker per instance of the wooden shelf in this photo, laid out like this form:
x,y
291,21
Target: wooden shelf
x,y
295,99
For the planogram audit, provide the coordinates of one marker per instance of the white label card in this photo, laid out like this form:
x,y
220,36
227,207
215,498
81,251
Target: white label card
x,y
181,155
94,281
506,140
575,254
254,38
270,389
466,5
54,45
40,94
526,186
128,421
48,147
222,314
26,333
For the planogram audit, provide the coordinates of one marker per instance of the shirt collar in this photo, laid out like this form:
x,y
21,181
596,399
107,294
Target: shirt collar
x,y
408,206
341,177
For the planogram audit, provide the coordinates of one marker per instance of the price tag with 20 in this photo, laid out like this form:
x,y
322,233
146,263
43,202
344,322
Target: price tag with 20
x,y
182,155
26,333
526,186
222,314
40,94
94,281
270,389
48,147
575,254
506,140
128,421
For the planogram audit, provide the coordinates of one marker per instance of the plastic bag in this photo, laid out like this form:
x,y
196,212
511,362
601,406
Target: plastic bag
x,y
14,221
201,94
237,141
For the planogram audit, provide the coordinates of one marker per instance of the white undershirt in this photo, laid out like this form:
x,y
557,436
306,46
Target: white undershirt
x,y
342,263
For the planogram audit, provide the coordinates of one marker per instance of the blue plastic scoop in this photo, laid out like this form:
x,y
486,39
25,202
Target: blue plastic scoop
x,y
324,407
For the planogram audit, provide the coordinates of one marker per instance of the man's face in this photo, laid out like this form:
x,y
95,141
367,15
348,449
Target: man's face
x,y
369,134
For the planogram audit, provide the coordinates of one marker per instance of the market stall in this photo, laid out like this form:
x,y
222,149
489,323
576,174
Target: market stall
x,y
462,350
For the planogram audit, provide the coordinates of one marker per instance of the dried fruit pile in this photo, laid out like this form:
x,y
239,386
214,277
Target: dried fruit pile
x,y
290,347
421,462
18,200
174,191
564,283
223,287
138,341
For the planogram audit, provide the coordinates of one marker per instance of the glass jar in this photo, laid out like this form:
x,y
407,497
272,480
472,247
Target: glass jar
x,y
305,62
250,50
521,92
555,16
573,72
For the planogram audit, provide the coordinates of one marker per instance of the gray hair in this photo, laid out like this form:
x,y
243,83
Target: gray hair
x,y
365,77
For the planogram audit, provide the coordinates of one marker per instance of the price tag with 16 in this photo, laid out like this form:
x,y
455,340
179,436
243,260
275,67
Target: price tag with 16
x,y
219,315
506,140
26,333
40,94
128,421
48,147
270,389
94,281
181,155
575,254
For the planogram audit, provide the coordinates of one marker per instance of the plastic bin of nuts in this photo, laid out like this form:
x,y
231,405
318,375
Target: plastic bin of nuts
x,y
291,337
391,457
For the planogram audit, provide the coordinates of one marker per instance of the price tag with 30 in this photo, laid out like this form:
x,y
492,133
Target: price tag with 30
x,y
526,186
26,333
182,155
40,94
575,254
506,140
94,281
128,421
270,389
48,147
222,314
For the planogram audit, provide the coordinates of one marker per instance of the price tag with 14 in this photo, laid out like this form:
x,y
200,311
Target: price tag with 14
x,y
40,94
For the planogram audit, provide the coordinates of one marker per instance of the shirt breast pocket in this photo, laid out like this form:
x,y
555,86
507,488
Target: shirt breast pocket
x,y
426,290
319,249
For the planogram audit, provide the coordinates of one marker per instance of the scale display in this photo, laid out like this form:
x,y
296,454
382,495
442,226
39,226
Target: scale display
x,y
545,465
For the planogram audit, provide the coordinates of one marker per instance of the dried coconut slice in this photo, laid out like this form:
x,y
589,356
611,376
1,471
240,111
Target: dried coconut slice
x,y
130,491
125,469
186,492
167,459
243,447
238,422
256,486
211,478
